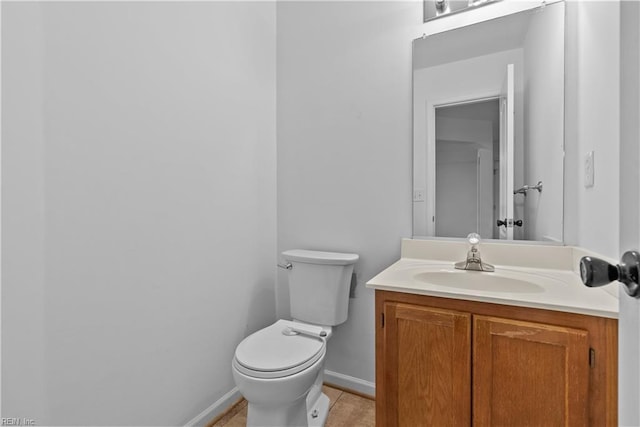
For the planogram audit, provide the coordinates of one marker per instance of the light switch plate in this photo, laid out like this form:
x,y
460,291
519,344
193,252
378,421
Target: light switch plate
x,y
588,170
418,195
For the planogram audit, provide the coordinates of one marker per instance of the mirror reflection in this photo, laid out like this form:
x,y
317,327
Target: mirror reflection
x,y
466,151
489,128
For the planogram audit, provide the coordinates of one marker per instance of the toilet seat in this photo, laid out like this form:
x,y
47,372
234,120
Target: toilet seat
x,y
273,352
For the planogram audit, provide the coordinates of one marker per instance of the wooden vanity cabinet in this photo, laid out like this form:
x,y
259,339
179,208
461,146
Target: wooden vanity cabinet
x,y
426,387
446,362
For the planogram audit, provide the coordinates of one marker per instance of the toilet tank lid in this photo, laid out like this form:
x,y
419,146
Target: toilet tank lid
x,y
319,257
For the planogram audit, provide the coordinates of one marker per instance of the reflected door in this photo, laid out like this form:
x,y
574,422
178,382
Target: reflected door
x,y
506,170
466,138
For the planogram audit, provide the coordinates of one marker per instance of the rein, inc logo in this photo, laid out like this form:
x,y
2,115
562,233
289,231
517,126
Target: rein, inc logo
x,y
17,421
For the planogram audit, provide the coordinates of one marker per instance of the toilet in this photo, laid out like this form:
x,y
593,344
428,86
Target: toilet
x,y
279,369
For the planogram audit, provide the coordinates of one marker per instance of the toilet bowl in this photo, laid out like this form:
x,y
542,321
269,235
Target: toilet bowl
x,y
279,371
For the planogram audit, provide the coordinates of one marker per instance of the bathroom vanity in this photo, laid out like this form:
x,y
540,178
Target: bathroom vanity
x,y
525,345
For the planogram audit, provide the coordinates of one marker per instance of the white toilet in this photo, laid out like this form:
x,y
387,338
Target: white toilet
x,y
279,369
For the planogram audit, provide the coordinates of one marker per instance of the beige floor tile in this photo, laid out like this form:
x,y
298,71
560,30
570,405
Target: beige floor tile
x,y
353,411
239,420
332,393
240,410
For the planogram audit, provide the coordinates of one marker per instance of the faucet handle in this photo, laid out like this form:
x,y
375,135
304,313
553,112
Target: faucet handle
x,y
473,239
473,261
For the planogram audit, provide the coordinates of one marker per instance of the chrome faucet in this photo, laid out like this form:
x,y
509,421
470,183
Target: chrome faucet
x,y
473,261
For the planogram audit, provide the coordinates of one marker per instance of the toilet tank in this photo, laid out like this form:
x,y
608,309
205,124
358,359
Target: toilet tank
x,y
319,284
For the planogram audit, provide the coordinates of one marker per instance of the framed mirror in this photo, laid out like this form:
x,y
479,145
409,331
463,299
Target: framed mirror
x,y
488,129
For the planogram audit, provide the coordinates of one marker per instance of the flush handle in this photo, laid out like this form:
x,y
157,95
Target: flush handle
x,y
596,272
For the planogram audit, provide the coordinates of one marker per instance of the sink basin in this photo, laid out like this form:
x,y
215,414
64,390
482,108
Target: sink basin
x,y
483,281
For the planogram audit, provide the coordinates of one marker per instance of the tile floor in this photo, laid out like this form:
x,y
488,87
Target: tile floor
x,y
345,410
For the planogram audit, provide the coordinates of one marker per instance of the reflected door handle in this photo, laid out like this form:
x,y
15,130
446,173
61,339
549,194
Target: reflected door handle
x,y
505,223
596,272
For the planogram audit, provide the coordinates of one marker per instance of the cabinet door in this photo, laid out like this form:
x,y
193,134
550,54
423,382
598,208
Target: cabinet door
x,y
427,352
529,374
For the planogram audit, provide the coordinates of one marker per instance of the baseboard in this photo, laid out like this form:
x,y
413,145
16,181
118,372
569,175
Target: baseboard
x,y
217,408
366,388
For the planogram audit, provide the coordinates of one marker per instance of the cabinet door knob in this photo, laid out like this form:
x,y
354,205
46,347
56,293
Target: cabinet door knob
x,y
596,272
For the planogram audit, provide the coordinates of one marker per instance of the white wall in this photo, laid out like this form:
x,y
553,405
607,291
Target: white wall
x,y
23,186
139,205
543,124
456,168
475,131
464,176
344,147
592,123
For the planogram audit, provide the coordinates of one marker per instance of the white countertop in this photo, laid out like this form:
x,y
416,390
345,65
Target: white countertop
x,y
550,288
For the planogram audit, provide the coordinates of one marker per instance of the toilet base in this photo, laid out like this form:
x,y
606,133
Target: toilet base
x,y
307,411
317,414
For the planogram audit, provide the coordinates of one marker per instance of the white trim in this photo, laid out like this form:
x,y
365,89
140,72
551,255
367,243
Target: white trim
x,y
351,383
0,210
217,408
